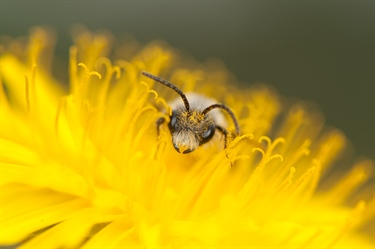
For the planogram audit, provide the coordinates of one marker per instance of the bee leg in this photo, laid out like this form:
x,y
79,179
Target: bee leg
x,y
159,122
225,133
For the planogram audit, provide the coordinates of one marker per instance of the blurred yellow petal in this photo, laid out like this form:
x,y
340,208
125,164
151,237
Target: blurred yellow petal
x,y
26,209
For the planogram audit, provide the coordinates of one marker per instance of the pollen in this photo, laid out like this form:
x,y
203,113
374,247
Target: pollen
x,y
195,117
85,168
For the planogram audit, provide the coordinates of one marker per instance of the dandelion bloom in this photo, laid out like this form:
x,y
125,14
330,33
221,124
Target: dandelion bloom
x,y
84,167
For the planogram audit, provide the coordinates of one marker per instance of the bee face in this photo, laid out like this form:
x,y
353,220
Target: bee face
x,y
190,129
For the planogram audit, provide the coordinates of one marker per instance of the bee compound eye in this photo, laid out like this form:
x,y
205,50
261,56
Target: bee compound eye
x,y
173,120
208,134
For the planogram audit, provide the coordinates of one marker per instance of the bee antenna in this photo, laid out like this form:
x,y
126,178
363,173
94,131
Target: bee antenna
x,y
229,111
170,85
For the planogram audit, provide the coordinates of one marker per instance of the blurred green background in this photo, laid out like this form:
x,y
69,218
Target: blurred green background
x,y
321,51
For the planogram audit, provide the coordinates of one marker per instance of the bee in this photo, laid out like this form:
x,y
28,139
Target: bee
x,y
195,121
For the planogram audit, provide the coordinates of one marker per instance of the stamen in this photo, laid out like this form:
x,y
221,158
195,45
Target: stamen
x,y
159,151
88,73
150,91
271,145
110,70
240,138
288,181
144,126
278,141
166,106
84,81
266,139
302,151
130,128
309,191
259,150
270,158
249,188
290,162
138,99
302,179
131,71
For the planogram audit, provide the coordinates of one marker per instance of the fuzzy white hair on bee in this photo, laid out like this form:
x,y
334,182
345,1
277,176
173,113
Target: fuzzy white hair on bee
x,y
195,119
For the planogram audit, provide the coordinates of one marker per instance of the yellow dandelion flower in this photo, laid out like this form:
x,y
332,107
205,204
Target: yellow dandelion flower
x,y
84,167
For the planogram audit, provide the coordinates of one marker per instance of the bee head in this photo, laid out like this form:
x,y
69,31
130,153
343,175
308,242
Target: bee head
x,y
190,129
